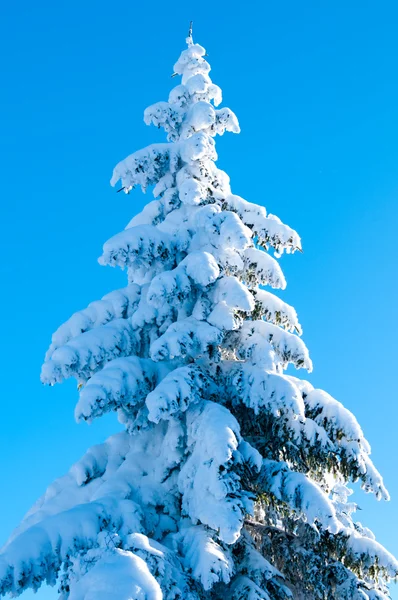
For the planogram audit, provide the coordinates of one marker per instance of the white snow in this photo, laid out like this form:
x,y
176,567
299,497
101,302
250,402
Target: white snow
x,y
191,357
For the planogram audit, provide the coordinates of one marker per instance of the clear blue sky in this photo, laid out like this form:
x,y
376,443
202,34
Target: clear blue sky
x,y
315,87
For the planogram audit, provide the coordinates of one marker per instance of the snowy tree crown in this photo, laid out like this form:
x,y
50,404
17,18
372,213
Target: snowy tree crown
x,y
229,479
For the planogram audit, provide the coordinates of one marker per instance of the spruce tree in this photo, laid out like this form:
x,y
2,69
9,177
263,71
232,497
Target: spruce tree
x,y
229,479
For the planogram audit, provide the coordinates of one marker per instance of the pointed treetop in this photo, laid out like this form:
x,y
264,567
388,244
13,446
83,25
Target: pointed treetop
x,y
189,39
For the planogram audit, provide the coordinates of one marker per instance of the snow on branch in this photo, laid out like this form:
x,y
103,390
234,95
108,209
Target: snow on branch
x,y
164,114
200,88
219,229
229,299
148,166
118,304
260,390
257,567
144,249
177,391
192,62
207,560
123,384
145,167
38,553
369,553
344,430
165,565
224,317
230,290
189,111
174,287
113,569
255,339
188,338
88,352
152,214
270,231
201,182
281,237
299,492
274,310
372,481
233,232
261,269
208,481
243,588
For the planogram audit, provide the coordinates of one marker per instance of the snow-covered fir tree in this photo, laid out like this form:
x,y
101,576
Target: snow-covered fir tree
x,y
230,477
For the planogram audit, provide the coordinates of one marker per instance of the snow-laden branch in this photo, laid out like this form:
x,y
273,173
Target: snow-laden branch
x,y
123,384
274,310
38,553
177,391
261,268
144,249
118,304
210,487
255,340
299,492
269,230
188,338
88,352
344,430
175,287
208,561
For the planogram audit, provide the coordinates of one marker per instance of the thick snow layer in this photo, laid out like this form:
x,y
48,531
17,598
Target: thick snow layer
x,y
261,268
199,117
268,230
260,389
144,249
255,337
117,570
370,551
123,384
300,493
187,338
96,495
224,317
177,391
235,295
88,352
192,62
210,489
119,304
166,565
208,561
274,310
44,547
151,214
244,588
198,269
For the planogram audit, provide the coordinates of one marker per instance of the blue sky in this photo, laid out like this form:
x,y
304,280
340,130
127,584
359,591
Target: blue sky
x,y
315,87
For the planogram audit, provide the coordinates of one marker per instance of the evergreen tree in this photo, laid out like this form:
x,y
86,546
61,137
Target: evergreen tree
x,y
230,477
